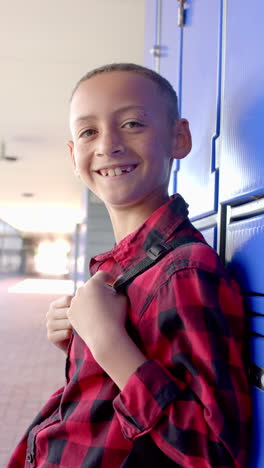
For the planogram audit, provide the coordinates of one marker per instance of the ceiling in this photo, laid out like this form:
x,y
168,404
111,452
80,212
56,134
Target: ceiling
x,y
45,47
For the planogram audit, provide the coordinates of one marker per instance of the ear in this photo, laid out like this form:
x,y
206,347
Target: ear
x,y
70,145
182,139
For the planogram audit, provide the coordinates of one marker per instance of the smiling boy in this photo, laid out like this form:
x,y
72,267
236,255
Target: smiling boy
x,y
154,376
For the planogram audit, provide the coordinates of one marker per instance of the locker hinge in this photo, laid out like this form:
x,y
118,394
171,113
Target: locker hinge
x,y
181,13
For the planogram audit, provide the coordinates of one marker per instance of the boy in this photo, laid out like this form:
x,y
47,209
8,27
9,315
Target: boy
x,y
154,377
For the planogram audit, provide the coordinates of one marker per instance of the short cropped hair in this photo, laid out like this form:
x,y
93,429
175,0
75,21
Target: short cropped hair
x,y
163,85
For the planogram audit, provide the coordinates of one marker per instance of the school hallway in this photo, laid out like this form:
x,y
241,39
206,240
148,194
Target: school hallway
x,y
31,367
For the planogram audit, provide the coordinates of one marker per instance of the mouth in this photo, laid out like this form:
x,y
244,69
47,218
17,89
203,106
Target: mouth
x,y
117,171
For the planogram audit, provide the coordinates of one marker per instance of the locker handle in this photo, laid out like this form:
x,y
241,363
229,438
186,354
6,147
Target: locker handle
x,y
181,13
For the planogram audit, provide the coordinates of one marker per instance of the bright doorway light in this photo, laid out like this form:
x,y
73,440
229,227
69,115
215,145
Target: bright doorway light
x,y
52,257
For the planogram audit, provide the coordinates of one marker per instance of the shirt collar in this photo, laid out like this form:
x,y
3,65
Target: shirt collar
x,y
158,227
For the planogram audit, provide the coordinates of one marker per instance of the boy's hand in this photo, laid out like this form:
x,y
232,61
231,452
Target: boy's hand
x,y
59,329
98,313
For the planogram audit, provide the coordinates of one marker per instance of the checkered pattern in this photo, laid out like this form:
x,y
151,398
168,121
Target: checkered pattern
x,y
191,397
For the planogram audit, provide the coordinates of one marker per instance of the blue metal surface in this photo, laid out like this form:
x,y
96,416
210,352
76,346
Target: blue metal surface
x,y
170,60
241,155
256,457
255,304
245,253
150,32
170,41
210,235
256,323
197,176
257,351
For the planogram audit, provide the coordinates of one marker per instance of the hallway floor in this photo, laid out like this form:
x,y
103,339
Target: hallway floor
x,y
31,368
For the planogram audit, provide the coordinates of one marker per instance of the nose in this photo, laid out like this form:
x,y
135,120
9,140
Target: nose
x,y
108,144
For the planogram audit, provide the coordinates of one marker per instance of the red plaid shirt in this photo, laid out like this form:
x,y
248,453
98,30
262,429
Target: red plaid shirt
x,y
191,397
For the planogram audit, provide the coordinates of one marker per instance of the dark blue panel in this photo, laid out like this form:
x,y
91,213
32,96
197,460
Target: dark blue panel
x,y
245,252
256,323
256,457
241,163
197,175
257,351
255,304
210,235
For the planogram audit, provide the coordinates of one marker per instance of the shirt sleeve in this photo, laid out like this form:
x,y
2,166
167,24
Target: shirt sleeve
x,y
192,395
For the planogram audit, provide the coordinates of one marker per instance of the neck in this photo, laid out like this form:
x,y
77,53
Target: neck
x,y
126,219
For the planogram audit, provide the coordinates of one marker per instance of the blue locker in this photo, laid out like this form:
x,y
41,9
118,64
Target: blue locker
x,y
170,61
163,49
224,85
241,160
245,252
245,249
256,322
256,305
162,39
256,456
170,35
150,36
245,246
210,235
197,176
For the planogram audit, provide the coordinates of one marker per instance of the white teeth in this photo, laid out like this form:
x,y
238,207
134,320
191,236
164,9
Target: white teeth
x,y
118,171
111,172
115,171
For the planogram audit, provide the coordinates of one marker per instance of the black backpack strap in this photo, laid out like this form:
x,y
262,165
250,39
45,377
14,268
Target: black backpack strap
x,y
154,254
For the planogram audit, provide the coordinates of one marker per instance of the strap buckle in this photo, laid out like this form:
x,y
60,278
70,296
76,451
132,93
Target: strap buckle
x,y
156,251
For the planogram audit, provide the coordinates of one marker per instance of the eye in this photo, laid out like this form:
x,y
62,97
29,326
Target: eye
x,y
88,132
133,124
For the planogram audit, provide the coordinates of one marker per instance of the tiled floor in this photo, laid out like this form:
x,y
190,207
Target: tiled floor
x,y
30,367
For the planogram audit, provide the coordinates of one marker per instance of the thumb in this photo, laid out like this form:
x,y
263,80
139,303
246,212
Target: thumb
x,y
104,277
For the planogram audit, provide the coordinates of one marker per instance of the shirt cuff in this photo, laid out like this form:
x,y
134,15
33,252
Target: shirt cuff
x,y
144,398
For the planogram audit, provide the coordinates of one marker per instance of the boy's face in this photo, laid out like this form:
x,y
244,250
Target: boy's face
x,y
122,139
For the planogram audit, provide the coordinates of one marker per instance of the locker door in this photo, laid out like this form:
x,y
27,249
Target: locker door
x,y
244,254
197,175
163,47
170,66
241,156
245,251
150,34
162,39
170,43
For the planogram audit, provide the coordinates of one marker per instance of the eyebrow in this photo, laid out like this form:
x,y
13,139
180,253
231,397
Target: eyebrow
x,y
118,111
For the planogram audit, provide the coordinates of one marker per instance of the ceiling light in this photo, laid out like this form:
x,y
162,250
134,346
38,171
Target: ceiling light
x,y
27,194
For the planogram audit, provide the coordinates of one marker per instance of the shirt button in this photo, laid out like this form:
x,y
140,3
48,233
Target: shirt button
x,y
30,458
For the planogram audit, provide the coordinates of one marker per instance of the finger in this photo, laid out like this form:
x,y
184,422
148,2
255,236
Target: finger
x,y
57,314
64,301
55,325
59,336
